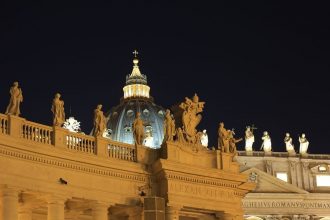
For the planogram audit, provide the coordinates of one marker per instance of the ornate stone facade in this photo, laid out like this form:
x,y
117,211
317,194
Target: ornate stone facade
x,y
54,174
288,185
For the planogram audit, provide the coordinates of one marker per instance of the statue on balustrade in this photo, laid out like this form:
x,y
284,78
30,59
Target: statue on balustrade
x,y
169,126
58,110
191,118
223,141
16,97
204,139
303,144
288,143
249,138
99,122
138,129
267,143
232,142
179,135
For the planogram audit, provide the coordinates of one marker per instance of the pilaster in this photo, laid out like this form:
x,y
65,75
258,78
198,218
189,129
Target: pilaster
x,y
9,200
55,208
100,211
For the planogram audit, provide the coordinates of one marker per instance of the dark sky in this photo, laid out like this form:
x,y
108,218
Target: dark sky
x,y
252,63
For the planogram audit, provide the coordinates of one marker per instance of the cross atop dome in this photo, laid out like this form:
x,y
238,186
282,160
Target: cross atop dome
x,y
136,83
135,52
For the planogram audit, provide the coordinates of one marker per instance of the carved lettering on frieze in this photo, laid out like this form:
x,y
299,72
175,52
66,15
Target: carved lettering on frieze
x,y
202,191
286,204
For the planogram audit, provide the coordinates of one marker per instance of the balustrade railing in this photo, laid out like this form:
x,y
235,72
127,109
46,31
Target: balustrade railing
x,y
3,124
60,137
81,142
121,151
37,132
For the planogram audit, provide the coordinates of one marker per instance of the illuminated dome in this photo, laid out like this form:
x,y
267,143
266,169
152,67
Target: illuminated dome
x,y
136,99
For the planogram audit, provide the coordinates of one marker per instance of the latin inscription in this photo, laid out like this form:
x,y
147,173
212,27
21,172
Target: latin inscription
x,y
286,204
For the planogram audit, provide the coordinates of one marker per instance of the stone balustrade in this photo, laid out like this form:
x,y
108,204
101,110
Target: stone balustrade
x,y
62,138
283,154
3,124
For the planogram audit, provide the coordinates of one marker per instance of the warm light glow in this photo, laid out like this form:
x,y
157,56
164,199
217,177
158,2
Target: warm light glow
x,y
282,176
136,90
323,180
72,125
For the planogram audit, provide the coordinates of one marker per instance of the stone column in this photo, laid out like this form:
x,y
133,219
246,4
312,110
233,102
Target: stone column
x,y
55,208
9,200
24,213
171,213
100,211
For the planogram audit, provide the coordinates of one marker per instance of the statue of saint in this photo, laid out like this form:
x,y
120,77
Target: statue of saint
x,y
232,142
303,144
180,136
267,143
204,139
223,138
191,117
169,126
58,110
148,140
16,97
99,121
249,139
138,129
288,143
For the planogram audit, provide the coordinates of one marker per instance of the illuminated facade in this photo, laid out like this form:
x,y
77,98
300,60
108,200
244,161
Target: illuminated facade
x,y
136,99
55,173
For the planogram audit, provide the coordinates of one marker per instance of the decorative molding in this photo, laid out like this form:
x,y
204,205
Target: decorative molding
x,y
199,180
78,166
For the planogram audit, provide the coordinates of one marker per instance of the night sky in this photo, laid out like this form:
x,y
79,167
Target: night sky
x,y
250,62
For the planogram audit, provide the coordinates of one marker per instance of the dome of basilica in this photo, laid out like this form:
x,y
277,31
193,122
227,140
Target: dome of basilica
x,y
136,99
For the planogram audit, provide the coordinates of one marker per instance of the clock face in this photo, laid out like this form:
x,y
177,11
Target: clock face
x,y
253,177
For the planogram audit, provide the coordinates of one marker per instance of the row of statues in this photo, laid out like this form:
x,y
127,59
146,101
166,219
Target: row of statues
x,y
267,144
182,131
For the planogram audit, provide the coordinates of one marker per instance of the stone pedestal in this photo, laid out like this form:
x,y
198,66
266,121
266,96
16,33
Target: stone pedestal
x,y
9,200
101,147
15,126
59,137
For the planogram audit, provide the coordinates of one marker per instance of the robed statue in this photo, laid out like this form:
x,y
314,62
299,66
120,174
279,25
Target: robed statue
x,y
138,129
58,110
169,126
303,144
191,117
288,143
16,97
100,121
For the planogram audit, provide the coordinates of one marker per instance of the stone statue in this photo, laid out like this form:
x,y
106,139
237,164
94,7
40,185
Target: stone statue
x,y
232,142
58,110
180,136
249,139
204,139
223,141
288,143
303,144
169,126
148,140
266,144
99,122
16,97
138,129
191,117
